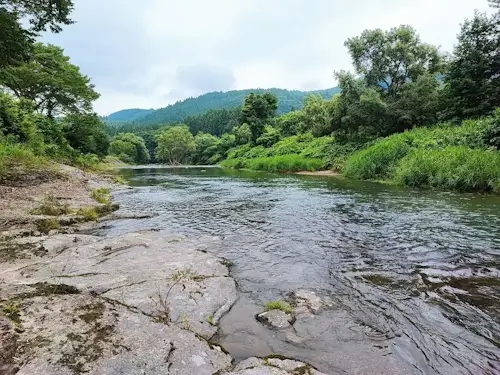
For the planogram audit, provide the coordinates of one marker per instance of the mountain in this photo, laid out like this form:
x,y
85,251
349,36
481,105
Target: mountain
x,y
127,115
287,101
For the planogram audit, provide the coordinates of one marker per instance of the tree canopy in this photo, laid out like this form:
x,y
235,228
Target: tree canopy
x,y
175,145
51,82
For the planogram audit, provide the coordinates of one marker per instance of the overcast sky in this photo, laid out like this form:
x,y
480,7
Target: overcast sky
x,y
150,53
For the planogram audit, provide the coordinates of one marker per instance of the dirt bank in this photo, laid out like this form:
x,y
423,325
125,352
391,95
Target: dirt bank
x,y
319,173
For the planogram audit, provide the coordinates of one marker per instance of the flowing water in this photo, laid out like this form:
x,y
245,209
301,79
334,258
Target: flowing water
x,y
414,275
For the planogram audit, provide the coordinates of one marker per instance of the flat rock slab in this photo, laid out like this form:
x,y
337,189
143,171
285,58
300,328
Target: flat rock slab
x,y
273,366
276,318
73,334
140,303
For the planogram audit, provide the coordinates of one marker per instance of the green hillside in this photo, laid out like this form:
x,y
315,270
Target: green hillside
x,y
287,99
127,115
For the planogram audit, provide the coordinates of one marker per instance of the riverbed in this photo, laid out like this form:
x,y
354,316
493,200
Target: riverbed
x,y
413,275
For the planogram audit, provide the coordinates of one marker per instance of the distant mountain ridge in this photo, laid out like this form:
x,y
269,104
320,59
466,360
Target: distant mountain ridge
x,y
177,112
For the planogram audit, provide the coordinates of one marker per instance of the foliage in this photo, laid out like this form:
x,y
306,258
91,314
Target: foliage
x,y
86,133
129,148
281,163
454,167
318,114
15,39
88,213
175,145
257,110
181,110
378,160
291,123
206,148
18,162
279,305
390,59
52,207
101,195
473,76
51,82
269,136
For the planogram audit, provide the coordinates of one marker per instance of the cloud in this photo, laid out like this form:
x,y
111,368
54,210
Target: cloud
x,y
155,52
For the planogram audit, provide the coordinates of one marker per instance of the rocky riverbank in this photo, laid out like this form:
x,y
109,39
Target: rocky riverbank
x,y
141,303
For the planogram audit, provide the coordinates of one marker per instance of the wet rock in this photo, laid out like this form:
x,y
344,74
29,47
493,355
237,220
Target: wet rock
x,y
276,318
307,303
273,366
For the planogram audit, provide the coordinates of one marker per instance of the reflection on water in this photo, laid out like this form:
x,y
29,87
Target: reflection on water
x,y
419,267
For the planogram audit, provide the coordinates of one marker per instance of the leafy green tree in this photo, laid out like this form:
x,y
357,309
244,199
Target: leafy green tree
x,y
318,115
226,143
390,59
269,137
206,148
42,15
129,148
51,82
291,123
243,134
86,133
473,77
257,110
175,145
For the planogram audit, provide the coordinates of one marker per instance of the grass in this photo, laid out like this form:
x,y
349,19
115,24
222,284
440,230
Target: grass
x,y
19,164
46,225
102,195
453,168
52,207
444,156
88,213
278,305
281,163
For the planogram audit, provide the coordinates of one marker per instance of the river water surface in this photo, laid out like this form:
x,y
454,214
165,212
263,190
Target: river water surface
x,y
413,275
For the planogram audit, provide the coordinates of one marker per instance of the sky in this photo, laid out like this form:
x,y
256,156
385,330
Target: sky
x,y
151,53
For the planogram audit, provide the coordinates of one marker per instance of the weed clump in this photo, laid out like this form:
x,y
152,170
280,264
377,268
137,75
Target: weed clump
x,y
52,207
101,195
279,305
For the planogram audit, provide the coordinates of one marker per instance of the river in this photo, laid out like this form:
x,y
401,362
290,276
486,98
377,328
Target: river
x,y
413,275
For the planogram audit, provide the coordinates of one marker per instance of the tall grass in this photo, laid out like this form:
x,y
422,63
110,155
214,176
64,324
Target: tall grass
x,y
379,160
454,167
280,163
18,162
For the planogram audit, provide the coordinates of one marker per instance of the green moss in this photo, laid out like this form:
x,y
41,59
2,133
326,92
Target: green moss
x,y
279,305
210,320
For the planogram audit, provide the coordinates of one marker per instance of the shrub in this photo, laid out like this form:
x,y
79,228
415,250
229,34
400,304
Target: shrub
x,y
88,213
101,195
283,163
379,160
52,207
455,167
19,164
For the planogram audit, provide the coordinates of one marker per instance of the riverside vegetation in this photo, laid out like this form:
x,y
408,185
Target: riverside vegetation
x,y
412,115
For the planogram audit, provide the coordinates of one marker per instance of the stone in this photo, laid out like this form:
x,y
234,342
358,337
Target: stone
x,y
8,347
276,318
307,302
142,302
273,366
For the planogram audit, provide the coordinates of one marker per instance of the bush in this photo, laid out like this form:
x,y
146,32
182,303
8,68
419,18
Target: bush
x,y
19,164
455,167
101,195
280,163
379,160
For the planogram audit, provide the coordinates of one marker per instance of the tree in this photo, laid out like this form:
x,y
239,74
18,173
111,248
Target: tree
x,y
51,82
243,134
206,148
129,148
389,59
318,115
175,145
257,110
86,133
42,15
291,123
473,77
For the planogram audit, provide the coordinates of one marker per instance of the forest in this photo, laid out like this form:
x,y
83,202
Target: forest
x,y
409,113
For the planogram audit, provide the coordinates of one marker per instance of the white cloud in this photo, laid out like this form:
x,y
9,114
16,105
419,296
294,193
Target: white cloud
x,y
154,52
